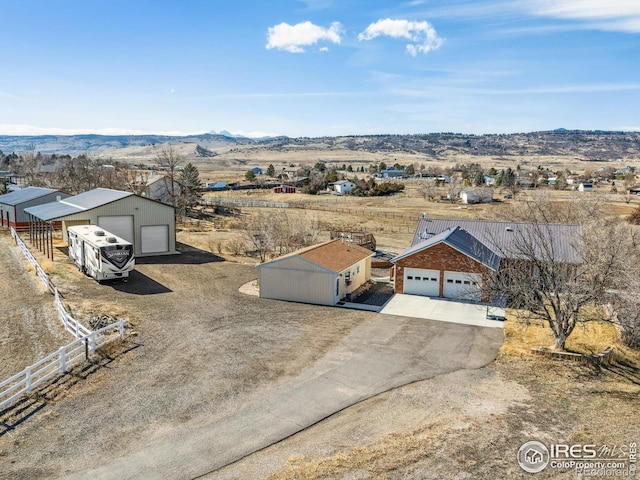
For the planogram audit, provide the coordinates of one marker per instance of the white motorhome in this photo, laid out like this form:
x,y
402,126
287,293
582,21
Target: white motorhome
x,y
100,254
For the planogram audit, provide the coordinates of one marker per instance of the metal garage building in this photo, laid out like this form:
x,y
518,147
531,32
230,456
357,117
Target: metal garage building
x,y
148,224
322,274
13,205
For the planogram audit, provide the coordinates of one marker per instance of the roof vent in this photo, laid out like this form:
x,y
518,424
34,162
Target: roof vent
x,y
111,240
424,214
508,229
100,233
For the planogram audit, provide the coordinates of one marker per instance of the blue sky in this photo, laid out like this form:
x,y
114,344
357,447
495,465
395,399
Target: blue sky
x,y
318,67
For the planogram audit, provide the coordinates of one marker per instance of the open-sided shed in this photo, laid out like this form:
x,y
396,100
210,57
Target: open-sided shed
x,y
147,224
13,205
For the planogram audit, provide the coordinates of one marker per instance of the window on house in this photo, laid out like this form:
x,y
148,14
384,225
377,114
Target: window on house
x,y
449,281
458,282
418,278
409,277
467,282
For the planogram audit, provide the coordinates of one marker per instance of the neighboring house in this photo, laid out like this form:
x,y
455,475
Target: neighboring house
x,y
284,189
257,171
476,195
149,225
157,187
450,258
490,180
13,204
391,173
585,187
322,274
342,187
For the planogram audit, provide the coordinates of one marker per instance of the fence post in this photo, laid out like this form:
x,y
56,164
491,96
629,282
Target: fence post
x,y
27,379
121,328
92,342
63,360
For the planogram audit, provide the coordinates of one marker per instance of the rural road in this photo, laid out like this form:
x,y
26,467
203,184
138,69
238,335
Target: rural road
x,y
380,354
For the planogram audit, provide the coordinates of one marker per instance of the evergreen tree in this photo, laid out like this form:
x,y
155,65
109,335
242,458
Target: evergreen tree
x,y
190,186
271,171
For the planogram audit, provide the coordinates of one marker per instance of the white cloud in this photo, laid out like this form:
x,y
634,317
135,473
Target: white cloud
x,y
292,38
622,15
324,49
422,34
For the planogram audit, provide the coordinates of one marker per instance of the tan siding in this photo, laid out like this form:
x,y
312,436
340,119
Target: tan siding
x,y
296,280
145,212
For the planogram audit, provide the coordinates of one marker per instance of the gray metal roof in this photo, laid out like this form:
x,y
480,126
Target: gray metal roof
x,y
553,240
460,240
79,203
25,195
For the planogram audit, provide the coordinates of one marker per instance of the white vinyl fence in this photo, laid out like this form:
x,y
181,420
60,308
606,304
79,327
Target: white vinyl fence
x,y
87,341
57,363
25,251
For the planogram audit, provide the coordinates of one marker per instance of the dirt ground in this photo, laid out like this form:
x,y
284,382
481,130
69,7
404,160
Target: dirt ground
x,y
29,329
198,348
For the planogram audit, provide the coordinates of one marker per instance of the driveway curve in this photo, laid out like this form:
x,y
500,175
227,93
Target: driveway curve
x,y
382,353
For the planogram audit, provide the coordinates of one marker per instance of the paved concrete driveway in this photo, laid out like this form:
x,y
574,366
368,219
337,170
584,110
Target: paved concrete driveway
x,y
382,353
442,310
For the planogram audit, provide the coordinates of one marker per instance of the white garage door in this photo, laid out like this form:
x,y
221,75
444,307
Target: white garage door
x,y
154,238
418,281
120,225
462,285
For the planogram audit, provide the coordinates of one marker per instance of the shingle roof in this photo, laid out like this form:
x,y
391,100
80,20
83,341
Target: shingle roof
x,y
335,255
25,195
460,240
504,238
79,203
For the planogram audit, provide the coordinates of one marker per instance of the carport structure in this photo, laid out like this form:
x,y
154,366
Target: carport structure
x,y
147,224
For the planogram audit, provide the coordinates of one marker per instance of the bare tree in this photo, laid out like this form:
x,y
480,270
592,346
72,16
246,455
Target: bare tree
x,y
279,233
428,190
554,281
453,189
171,162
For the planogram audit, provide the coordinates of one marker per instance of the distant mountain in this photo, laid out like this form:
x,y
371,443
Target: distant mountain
x,y
580,144
227,133
93,144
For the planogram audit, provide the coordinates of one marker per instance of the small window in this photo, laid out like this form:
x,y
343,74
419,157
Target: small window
x,y
357,269
467,282
449,281
434,279
425,279
475,284
418,278
458,282
409,277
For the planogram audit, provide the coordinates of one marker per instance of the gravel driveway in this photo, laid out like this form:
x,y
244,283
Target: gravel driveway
x,y
212,374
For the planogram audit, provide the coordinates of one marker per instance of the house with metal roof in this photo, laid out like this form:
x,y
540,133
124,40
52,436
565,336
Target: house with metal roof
x,y
149,225
321,274
449,258
13,204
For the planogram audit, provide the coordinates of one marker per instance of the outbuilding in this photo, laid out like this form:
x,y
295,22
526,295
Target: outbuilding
x,y
284,189
321,274
13,205
342,187
149,225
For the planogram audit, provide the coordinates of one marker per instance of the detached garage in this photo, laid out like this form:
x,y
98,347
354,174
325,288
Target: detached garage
x,y
322,274
450,265
147,224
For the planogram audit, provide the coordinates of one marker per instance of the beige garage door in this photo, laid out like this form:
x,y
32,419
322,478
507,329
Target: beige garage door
x,y
154,239
119,225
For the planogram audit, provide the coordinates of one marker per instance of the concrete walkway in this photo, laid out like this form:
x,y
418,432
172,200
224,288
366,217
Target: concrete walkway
x,y
442,310
382,353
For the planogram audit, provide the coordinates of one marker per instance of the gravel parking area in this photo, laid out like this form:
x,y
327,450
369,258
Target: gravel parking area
x,y
201,349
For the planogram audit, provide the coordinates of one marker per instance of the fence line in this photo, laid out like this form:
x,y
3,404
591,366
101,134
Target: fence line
x,y
57,363
242,203
46,281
